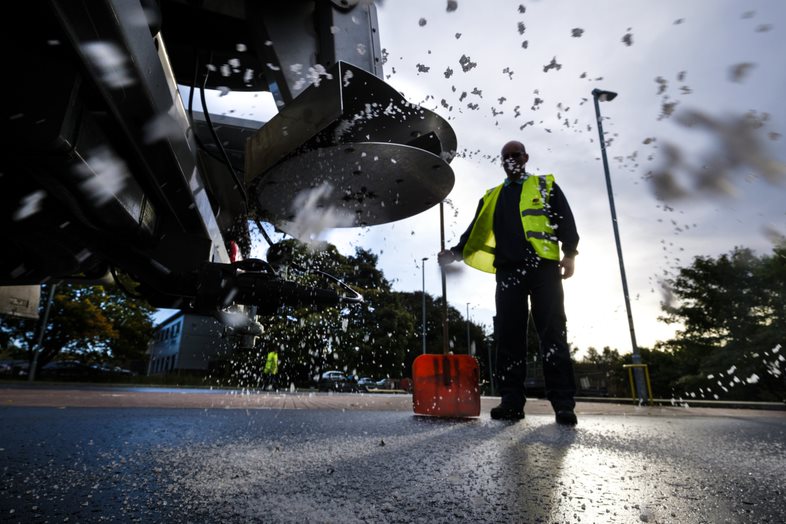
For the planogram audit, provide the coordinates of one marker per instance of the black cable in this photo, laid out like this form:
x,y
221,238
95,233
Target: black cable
x,y
264,233
206,113
201,145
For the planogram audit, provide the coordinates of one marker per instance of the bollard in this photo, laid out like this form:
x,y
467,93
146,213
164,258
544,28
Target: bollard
x,y
630,367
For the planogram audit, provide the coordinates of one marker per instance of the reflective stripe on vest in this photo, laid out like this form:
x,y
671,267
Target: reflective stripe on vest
x,y
480,247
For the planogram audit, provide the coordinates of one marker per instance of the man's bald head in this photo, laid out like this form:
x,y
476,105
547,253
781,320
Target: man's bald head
x,y
513,146
514,158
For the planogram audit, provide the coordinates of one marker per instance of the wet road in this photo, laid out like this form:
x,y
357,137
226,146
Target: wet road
x,y
348,458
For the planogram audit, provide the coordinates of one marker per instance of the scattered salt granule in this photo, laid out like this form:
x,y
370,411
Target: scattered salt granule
x,y
104,175
30,205
738,72
111,63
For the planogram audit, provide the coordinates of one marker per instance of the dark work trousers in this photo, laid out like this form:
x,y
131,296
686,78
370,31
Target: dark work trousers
x,y
543,286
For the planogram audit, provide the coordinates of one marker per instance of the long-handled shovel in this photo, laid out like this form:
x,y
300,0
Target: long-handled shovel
x,y
445,385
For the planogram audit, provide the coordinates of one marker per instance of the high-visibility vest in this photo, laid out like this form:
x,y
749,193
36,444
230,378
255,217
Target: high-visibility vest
x,y
481,244
271,364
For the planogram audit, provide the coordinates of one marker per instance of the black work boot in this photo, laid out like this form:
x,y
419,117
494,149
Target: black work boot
x,y
507,412
566,417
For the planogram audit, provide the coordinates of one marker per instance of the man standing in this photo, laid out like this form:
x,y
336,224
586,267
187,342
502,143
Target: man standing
x,y
270,372
515,234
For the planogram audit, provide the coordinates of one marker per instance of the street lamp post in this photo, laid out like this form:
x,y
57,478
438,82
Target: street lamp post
x,y
599,95
423,325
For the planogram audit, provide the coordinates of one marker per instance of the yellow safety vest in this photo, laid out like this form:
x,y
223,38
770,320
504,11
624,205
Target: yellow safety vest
x,y
481,244
271,365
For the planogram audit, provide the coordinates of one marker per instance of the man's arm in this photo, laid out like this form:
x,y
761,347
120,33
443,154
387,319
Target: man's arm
x,y
457,252
561,217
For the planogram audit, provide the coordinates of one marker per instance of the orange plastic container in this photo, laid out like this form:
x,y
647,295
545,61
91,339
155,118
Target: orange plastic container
x,y
446,386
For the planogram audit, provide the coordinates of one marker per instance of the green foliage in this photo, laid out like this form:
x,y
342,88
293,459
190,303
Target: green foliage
x,y
91,322
378,338
733,316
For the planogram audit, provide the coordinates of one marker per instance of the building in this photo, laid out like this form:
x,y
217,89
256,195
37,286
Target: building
x,y
186,342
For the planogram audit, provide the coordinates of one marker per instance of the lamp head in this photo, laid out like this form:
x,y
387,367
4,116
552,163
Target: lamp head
x,y
604,96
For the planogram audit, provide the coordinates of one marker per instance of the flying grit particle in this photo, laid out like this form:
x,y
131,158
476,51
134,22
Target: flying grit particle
x,y
662,84
422,22
30,205
679,21
522,9
525,44
552,65
462,96
627,39
763,28
738,72
452,6
576,32
477,92
423,68
448,72
111,62
681,76
521,28
501,100
536,103
458,35
466,63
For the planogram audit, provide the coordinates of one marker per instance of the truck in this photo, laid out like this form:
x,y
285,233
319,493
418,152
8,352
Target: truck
x,y
109,173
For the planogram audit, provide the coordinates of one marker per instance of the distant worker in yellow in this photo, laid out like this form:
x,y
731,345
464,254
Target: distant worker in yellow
x,y
270,373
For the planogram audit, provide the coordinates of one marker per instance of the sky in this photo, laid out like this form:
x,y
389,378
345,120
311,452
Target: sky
x,y
694,139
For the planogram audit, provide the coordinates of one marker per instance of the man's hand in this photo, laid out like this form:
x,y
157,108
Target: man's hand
x,y
567,265
446,257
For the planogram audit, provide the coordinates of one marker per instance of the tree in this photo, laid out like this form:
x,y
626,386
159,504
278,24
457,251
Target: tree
x,y
378,338
89,321
360,339
732,315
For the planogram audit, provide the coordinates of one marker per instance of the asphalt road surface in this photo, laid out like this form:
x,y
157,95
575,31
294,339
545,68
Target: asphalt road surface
x,y
112,455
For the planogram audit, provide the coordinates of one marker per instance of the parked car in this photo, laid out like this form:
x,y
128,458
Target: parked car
x,y
14,368
336,381
103,369
367,383
67,370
